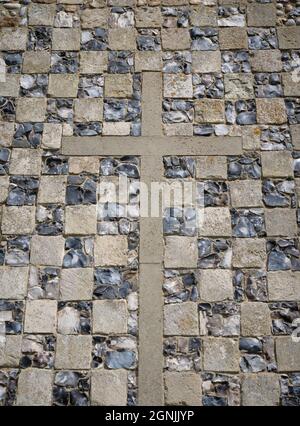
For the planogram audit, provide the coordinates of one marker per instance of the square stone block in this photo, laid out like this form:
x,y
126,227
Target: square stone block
x,y
270,111
25,162
31,110
81,220
41,14
73,352
284,285
239,86
148,17
277,164
266,60
209,111
122,39
111,250
206,62
13,39
19,220
13,282
36,62
251,137
66,39
233,40
215,222
110,316
52,135
52,189
40,316
94,18
47,251
215,285
118,86
249,253
63,85
291,85
261,389
202,15
288,354
175,38
76,284
209,167
11,85
87,110
261,15
120,128
183,388
245,193
10,351
93,62
109,387
148,61
35,387
255,319
181,252
178,86
181,319
288,37
221,355
4,183
281,222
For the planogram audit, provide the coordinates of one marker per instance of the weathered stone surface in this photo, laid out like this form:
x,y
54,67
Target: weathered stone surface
x,y
4,182
6,133
13,39
280,222
232,40
180,252
63,85
238,86
35,387
291,86
93,62
148,17
183,388
209,111
52,135
11,85
206,61
261,15
47,250
215,285
87,110
18,220
52,189
178,86
203,15
266,60
41,14
118,86
271,111
36,62
25,162
260,389
73,352
211,167
81,220
249,253
109,387
13,282
295,133
116,129
288,354
255,319
10,351
111,250
284,285
110,317
122,38
40,316
289,38
175,38
76,284
277,164
245,193
66,39
181,319
215,222
94,18
221,355
148,61
83,164
31,109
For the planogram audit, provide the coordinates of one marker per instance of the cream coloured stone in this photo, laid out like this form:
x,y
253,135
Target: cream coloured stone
x,y
266,60
148,61
110,316
19,220
295,133
281,222
52,135
181,319
73,352
148,17
183,388
206,61
10,351
249,253
215,285
178,86
111,250
63,85
203,16
40,316
81,220
13,282
239,86
232,40
66,39
93,62
94,18
52,189
288,354
175,38
215,222
270,111
31,109
120,128
245,193
35,387
208,167
209,111
277,164
179,129
118,86
255,319
4,183
76,284
25,162
11,85
109,387
41,14
47,250
283,285
7,131
180,252
13,39
288,37
36,62
291,85
122,38
86,110
260,390
83,164
261,15
221,355
251,137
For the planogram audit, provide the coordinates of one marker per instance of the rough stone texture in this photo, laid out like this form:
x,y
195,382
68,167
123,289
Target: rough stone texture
x,y
52,189
13,282
249,253
280,222
260,390
73,352
76,284
181,319
215,285
47,250
34,387
180,252
209,111
18,220
221,355
288,354
183,389
215,222
118,86
40,316
277,164
109,387
284,285
255,319
81,220
175,39
266,60
206,62
245,193
231,40
110,316
271,111
111,250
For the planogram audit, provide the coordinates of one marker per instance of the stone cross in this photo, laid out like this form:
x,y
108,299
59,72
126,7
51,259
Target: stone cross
x,y
151,147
